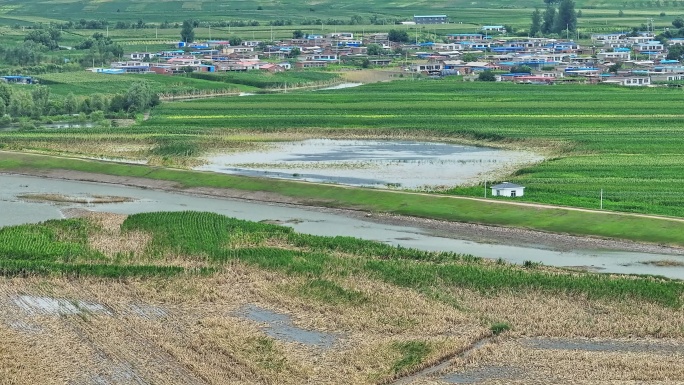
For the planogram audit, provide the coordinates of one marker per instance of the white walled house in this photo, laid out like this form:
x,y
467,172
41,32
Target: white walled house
x,y
507,189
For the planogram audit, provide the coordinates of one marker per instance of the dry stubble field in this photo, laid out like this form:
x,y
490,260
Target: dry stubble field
x,y
196,329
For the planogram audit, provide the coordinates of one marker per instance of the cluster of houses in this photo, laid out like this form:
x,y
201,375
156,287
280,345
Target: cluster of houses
x,y
312,51
611,58
642,59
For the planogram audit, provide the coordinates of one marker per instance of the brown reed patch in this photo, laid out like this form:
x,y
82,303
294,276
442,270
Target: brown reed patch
x,y
110,240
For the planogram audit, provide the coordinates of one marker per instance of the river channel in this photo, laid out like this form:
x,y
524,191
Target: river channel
x,y
15,210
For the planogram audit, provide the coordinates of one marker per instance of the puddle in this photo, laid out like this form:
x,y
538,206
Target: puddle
x,y
67,125
340,86
473,376
604,346
147,311
279,326
118,374
372,163
35,305
25,327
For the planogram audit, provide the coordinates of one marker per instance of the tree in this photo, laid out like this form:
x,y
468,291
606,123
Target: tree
x,y
5,94
675,52
621,13
40,96
117,104
297,34
235,41
138,97
548,19
294,52
398,36
187,32
521,69
70,104
678,22
566,18
469,57
374,49
48,38
486,76
614,68
355,20
536,22
98,102
21,105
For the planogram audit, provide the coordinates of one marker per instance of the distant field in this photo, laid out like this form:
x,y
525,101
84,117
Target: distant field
x,y
625,141
87,83
595,12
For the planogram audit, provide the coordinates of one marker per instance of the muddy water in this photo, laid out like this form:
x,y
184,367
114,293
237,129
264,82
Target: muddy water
x,y
372,163
280,326
14,210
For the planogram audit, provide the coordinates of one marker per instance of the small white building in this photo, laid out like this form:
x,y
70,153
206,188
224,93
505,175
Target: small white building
x,y
507,189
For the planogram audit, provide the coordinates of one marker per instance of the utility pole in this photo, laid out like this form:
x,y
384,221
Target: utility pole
x,y
485,188
601,199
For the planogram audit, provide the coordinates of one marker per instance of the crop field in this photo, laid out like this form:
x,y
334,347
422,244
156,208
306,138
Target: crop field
x,y
597,15
87,83
626,142
192,297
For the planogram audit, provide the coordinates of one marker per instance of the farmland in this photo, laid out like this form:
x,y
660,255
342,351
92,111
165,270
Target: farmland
x,y
108,283
626,142
88,83
596,14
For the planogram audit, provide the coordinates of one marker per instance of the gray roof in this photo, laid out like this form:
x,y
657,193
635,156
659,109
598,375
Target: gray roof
x,y
506,185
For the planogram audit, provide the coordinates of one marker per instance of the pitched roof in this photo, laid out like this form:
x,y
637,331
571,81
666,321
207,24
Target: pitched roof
x,y
506,185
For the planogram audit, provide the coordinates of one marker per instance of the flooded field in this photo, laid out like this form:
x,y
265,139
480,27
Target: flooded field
x,y
373,163
17,210
279,326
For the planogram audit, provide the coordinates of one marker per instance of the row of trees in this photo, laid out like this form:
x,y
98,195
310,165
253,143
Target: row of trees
x,y
35,102
554,20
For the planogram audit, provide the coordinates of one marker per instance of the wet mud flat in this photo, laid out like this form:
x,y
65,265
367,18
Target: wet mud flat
x,y
280,326
373,163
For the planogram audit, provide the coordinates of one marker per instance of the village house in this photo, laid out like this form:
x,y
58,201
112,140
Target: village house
x,y
465,37
614,57
142,55
630,81
507,189
430,19
493,28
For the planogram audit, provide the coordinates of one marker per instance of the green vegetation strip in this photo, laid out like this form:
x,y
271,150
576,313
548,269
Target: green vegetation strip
x,y
428,206
61,247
